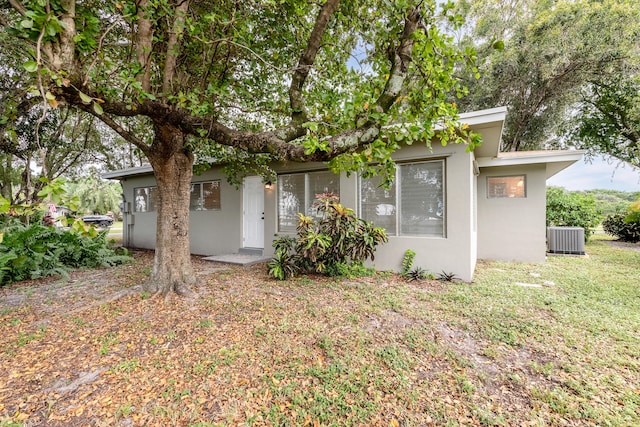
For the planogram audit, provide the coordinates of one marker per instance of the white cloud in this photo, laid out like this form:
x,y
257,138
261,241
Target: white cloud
x,y
600,173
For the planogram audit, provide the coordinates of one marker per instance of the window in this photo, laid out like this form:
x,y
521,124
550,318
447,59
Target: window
x,y
297,192
146,199
413,206
506,186
205,196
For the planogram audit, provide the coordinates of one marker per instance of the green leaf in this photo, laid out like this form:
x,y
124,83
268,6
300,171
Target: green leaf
x,y
498,45
45,191
98,108
84,97
31,66
5,204
26,23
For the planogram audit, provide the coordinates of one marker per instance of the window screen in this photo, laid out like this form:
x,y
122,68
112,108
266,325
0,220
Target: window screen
x,y
422,199
297,192
377,204
413,206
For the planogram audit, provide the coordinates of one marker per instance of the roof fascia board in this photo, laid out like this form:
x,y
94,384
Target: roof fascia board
x,y
123,173
555,161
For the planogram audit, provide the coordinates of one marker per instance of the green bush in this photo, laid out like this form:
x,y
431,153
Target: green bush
x,y
407,262
624,226
336,244
33,251
571,209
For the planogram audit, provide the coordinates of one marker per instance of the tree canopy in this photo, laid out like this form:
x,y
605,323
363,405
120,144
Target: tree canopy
x,y
551,52
244,82
609,118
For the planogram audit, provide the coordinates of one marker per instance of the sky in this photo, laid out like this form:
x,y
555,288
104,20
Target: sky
x,y
598,173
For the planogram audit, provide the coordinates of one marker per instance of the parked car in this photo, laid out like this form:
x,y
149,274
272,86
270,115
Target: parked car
x,y
99,220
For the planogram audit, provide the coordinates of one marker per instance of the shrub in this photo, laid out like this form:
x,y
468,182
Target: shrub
x,y
624,226
417,274
413,274
337,243
571,209
407,261
33,251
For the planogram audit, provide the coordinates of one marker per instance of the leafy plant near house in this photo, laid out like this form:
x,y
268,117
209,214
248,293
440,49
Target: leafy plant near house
x,y
413,274
284,264
29,251
32,251
624,226
417,274
407,261
336,244
447,277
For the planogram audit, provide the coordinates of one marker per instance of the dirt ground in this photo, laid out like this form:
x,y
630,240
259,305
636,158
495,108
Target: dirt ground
x,y
93,350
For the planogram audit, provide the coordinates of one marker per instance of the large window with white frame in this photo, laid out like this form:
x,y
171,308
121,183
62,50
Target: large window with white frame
x,y
413,206
297,192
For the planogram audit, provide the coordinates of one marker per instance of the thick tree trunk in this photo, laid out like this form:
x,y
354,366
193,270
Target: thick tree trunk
x,y
173,168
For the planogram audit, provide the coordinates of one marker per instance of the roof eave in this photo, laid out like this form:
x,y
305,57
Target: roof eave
x,y
555,161
126,173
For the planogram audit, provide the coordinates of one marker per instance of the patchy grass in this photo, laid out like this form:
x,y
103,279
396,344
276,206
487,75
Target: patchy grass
x,y
317,351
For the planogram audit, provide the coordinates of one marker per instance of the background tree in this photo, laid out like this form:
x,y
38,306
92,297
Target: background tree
x,y
572,209
553,50
612,201
609,118
95,195
64,142
249,82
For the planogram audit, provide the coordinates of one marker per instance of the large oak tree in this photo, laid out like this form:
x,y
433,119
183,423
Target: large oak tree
x,y
247,82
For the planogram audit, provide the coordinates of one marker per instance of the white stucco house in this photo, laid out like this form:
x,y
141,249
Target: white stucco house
x,y
450,206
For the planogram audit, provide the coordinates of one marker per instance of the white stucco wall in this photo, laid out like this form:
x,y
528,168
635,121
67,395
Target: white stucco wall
x,y
513,229
453,253
211,232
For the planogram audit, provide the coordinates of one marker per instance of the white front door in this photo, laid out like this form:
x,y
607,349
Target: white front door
x,y
253,212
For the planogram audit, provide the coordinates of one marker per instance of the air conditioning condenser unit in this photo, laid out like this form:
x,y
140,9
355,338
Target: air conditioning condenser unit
x,y
565,240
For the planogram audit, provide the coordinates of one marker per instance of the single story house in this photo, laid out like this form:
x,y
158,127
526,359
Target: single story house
x,y
450,206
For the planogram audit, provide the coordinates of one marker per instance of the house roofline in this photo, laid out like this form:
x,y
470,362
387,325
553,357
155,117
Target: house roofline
x,y
125,173
488,115
555,161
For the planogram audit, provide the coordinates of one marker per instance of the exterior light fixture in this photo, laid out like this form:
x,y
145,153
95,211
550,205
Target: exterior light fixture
x,y
268,185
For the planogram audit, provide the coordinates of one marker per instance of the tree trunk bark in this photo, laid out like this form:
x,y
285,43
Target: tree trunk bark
x,y
173,168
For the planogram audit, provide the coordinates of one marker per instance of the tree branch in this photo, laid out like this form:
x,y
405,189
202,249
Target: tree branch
x,y
18,7
95,59
172,45
308,57
144,44
280,142
128,136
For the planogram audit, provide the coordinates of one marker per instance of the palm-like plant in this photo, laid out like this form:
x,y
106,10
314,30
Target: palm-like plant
x,y
339,238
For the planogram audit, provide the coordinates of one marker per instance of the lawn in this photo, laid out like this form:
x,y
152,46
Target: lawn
x,y
524,344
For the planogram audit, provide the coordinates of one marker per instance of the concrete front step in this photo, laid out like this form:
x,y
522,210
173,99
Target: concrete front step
x,y
239,258
251,251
